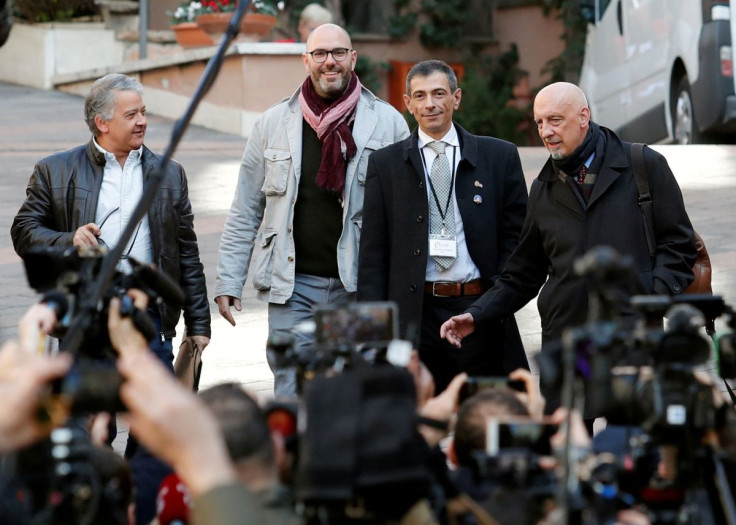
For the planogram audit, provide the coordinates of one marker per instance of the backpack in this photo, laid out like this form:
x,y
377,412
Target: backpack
x,y
702,268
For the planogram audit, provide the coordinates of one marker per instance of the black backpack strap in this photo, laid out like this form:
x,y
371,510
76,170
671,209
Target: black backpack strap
x,y
645,198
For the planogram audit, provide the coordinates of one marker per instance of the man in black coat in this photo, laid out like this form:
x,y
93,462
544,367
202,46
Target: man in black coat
x,y
585,196
435,252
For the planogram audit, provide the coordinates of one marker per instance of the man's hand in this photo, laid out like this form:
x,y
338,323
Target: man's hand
x,y
441,408
224,302
456,328
532,396
22,379
201,341
173,423
124,335
38,320
86,235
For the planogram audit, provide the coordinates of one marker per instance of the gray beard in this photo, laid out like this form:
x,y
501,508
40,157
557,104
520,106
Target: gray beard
x,y
556,156
332,89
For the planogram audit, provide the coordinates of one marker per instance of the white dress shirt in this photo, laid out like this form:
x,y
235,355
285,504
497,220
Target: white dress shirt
x,y
122,188
463,269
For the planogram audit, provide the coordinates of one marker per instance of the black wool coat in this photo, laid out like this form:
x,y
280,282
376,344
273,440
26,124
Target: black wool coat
x,y
559,229
491,195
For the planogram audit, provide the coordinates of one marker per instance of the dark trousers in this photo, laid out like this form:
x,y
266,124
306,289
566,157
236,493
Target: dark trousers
x,y
494,349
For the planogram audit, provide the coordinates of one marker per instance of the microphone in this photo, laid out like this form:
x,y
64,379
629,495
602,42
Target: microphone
x,y
173,502
158,284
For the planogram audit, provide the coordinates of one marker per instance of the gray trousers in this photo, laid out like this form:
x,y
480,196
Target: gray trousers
x,y
309,291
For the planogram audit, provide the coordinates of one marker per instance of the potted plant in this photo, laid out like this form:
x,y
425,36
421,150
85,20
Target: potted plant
x,y
257,22
186,30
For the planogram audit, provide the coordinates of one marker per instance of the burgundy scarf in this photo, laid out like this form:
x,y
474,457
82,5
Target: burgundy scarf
x,y
331,120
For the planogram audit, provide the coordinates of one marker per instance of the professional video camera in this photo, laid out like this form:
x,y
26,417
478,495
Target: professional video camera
x,y
344,335
68,478
507,479
644,377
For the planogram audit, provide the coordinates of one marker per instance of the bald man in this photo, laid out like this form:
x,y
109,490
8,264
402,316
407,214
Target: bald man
x,y
585,196
299,198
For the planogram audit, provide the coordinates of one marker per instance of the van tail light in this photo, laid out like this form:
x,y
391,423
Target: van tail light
x,y
726,61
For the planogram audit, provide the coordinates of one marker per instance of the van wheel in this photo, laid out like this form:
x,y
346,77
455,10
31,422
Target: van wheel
x,y
684,127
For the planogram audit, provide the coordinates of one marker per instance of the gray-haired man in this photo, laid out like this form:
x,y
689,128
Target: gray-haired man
x,y
85,195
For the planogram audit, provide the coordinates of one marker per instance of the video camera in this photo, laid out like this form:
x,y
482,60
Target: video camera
x,y
641,376
345,335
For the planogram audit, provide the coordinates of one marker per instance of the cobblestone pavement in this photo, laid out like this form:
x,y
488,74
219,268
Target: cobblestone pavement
x,y
37,123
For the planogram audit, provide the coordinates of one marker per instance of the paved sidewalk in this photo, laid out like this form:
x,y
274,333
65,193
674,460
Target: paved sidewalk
x,y
37,123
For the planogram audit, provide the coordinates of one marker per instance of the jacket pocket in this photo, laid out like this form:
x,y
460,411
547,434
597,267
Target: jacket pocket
x,y
278,165
370,147
264,260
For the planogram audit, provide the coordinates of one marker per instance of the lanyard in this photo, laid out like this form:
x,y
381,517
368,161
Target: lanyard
x,y
452,184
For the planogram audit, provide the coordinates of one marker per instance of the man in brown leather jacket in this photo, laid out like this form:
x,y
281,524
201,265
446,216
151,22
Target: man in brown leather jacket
x,y
85,196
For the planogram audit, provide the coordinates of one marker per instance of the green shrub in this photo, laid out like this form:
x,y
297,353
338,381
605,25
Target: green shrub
x,y
53,10
487,89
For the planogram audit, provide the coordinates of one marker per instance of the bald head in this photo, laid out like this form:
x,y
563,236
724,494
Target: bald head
x,y
328,32
562,116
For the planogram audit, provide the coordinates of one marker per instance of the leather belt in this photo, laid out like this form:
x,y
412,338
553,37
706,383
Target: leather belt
x,y
450,289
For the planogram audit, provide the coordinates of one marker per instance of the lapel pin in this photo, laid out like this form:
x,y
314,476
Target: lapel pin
x,y
478,184
478,199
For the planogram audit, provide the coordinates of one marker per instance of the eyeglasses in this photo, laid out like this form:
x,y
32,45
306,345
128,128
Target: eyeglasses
x,y
320,55
101,242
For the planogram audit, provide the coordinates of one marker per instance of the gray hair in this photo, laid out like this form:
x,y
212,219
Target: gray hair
x,y
101,97
426,68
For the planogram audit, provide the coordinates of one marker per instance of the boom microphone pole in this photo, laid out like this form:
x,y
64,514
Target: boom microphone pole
x,y
90,300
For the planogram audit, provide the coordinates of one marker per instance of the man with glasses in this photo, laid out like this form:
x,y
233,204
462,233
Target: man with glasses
x,y
84,197
299,198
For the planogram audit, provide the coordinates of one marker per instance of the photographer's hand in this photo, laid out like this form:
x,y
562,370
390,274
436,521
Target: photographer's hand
x,y
173,423
38,320
223,305
86,236
124,335
532,396
441,409
456,328
23,377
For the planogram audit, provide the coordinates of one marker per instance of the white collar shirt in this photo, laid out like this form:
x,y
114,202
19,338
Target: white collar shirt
x,y
463,269
120,192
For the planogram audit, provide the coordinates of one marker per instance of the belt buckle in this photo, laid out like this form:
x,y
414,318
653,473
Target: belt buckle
x,y
441,283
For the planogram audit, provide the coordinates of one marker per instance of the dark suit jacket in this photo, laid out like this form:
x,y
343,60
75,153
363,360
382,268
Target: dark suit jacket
x,y
394,237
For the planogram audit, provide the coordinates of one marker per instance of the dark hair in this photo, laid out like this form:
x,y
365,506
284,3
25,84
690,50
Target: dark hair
x,y
426,68
470,428
242,421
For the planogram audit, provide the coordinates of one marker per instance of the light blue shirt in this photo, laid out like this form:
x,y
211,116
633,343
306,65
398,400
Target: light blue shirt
x,y
122,188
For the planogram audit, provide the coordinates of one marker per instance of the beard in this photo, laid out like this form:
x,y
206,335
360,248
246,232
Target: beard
x,y
331,88
557,155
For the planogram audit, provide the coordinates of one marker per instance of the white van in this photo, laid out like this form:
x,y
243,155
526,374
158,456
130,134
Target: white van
x,y
660,70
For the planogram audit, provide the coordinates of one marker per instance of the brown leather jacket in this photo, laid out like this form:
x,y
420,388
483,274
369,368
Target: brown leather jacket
x,y
62,196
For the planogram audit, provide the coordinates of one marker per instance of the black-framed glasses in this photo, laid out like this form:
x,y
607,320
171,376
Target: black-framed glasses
x,y
320,55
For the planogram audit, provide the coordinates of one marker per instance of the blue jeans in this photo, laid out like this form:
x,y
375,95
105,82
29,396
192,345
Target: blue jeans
x,y
309,291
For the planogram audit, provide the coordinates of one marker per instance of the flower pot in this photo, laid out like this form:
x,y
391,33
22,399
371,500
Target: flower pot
x,y
253,26
257,24
214,24
189,34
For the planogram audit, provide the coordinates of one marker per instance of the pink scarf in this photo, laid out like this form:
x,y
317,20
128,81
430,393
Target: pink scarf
x,y
331,120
